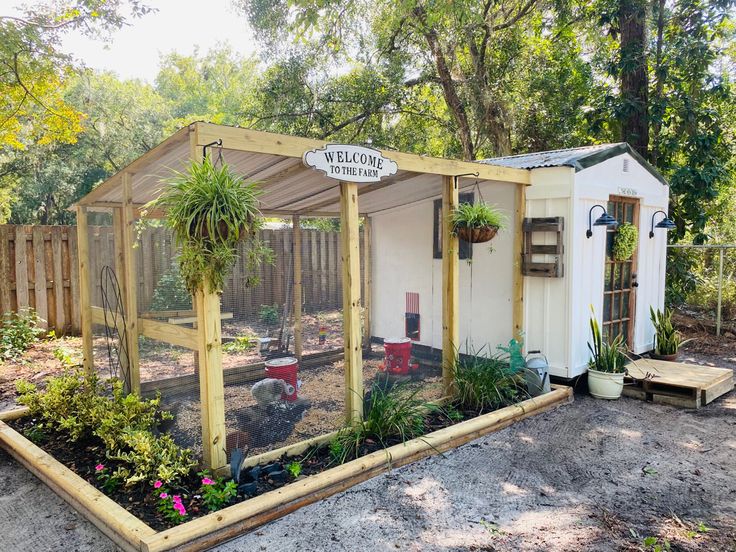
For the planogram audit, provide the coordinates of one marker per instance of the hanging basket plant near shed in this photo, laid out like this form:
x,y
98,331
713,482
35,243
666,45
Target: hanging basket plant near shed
x,y
477,222
210,209
624,242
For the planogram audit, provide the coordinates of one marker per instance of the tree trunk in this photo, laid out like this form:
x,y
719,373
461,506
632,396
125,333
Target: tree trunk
x,y
634,76
659,86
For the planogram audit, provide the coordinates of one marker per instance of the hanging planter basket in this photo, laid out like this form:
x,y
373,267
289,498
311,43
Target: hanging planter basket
x,y
480,234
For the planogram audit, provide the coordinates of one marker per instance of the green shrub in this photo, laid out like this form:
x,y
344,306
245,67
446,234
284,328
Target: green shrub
x,y
18,331
217,493
390,414
76,405
241,344
269,314
625,242
171,292
487,382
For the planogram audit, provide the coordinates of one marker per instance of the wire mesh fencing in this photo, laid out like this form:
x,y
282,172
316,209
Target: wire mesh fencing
x,y
702,284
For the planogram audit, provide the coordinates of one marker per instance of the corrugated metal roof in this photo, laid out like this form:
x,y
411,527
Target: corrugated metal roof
x,y
569,157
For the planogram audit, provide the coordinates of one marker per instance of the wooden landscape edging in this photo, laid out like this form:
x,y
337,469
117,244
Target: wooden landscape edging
x,y
202,533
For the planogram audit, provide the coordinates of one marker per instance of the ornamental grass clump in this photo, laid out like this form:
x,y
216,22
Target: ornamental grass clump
x,y
211,209
667,340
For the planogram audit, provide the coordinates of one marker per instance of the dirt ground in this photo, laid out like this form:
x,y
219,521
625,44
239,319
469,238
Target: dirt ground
x,y
594,475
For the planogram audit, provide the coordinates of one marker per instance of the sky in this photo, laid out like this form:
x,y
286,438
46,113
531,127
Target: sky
x,y
179,25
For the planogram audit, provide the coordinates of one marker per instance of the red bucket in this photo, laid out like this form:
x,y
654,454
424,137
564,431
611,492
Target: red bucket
x,y
398,354
284,369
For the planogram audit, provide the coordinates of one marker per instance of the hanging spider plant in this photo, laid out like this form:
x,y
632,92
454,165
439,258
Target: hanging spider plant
x,y
211,209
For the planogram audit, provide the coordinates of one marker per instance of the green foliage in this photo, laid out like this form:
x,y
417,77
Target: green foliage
x,y
210,210
477,215
625,241
217,493
294,468
395,413
608,356
171,292
485,382
269,314
667,340
18,331
67,357
241,344
76,405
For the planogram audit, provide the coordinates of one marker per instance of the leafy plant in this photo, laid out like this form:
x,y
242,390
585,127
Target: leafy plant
x,y
66,357
210,209
625,241
394,413
269,314
477,215
295,469
608,356
170,505
171,291
18,331
78,406
217,493
109,482
486,382
667,340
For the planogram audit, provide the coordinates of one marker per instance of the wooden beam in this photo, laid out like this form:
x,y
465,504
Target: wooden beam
x,y
350,236
255,141
296,244
211,383
518,297
367,282
450,284
130,282
169,333
85,289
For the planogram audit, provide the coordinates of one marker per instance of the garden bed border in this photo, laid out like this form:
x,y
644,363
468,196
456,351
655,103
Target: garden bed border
x,y
132,534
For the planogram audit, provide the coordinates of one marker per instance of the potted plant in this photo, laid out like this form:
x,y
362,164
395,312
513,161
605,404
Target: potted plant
x,y
210,209
667,340
607,368
477,222
625,241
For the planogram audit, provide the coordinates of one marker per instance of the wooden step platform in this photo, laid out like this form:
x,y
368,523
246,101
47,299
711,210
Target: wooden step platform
x,y
677,383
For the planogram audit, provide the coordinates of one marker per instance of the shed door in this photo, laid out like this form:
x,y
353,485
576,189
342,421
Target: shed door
x,y
619,294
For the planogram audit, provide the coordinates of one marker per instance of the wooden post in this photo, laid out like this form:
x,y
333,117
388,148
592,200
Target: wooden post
x,y
367,283
518,298
85,291
450,288
211,381
209,358
296,246
350,236
129,282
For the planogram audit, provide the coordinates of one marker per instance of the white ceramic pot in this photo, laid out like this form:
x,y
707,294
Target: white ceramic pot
x,y
605,385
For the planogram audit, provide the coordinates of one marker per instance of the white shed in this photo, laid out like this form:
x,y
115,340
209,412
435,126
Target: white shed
x,y
565,185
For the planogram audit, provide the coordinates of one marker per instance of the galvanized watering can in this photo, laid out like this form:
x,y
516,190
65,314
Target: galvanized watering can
x,y
536,374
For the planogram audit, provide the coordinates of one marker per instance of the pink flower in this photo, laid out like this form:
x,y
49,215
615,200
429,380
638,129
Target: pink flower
x,y
157,485
176,499
207,481
179,507
99,467
163,495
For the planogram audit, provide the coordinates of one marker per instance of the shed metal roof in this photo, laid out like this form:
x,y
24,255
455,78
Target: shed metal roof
x,y
577,158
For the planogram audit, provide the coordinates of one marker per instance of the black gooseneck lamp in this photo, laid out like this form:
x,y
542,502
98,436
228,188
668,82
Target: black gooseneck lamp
x,y
604,220
665,223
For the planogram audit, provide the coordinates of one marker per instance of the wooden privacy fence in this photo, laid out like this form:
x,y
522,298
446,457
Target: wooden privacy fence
x,y
46,278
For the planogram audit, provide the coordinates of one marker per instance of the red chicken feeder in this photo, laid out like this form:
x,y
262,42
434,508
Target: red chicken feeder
x,y
398,355
285,369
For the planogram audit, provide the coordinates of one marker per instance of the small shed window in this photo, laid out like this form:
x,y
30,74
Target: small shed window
x,y
466,248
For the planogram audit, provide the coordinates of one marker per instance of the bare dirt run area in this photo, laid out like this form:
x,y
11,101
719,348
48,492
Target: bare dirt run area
x,y
594,475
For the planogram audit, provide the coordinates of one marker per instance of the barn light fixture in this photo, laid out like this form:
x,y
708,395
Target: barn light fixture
x,y
604,220
665,223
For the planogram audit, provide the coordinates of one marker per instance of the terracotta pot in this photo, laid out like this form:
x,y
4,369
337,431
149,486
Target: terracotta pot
x,y
668,358
222,228
605,385
476,235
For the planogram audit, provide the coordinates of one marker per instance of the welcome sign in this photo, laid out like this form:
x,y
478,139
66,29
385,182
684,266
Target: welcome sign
x,y
350,163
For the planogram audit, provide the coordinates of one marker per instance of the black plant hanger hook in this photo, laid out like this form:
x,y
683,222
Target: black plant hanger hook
x,y
217,143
